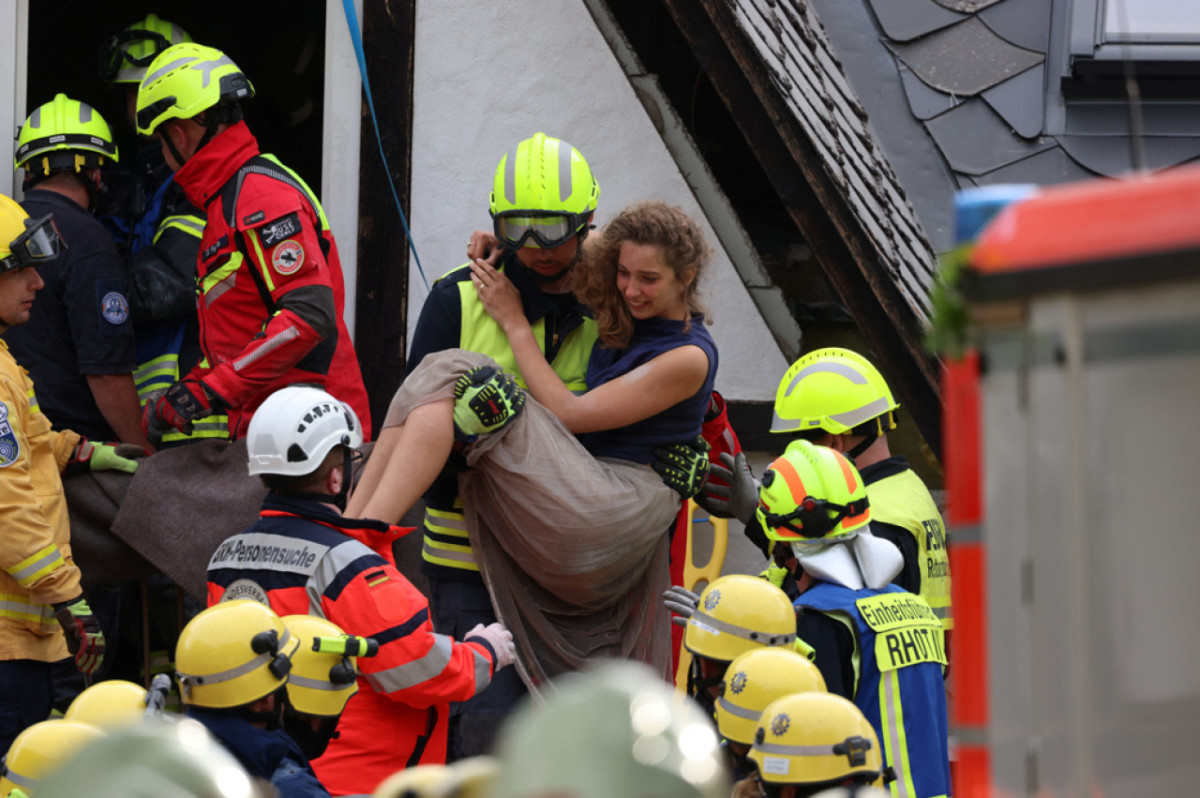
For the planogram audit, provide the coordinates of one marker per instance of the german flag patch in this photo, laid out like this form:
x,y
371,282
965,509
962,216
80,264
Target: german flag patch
x,y
376,578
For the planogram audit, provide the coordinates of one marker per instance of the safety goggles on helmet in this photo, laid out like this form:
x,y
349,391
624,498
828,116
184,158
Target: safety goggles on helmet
x,y
517,229
119,50
40,243
816,517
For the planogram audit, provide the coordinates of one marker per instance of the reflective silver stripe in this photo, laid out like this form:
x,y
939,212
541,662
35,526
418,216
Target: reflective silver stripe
x,y
334,561
941,612
24,782
272,343
795,750
28,611
510,177
188,222
448,554
738,712
483,672
208,66
165,68
214,293
411,673
196,679
565,182
35,119
895,755
699,617
456,521
41,563
315,684
85,113
826,368
853,418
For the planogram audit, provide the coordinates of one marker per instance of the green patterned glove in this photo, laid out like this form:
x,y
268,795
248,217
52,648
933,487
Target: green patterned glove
x,y
89,456
85,638
485,399
683,466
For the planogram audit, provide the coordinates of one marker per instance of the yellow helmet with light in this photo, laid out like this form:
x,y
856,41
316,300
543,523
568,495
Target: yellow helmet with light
x,y
737,613
543,194
41,748
815,739
835,390
753,681
63,135
323,675
109,705
811,493
232,654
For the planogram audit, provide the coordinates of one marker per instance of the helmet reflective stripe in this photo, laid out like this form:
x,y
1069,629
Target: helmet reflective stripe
x,y
564,177
166,68
851,418
795,750
313,684
740,631
190,679
725,705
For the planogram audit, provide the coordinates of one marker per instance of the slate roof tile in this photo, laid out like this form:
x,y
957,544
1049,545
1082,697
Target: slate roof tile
x,y
965,59
1044,168
796,53
904,20
1025,23
976,140
1020,100
924,101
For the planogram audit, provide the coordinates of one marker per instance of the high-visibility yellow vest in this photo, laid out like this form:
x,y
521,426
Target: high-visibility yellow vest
x,y
445,531
903,500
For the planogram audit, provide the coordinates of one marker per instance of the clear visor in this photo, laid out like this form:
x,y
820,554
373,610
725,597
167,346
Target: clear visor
x,y
39,243
534,231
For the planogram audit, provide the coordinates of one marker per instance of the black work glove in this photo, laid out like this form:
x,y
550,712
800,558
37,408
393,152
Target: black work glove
x,y
738,498
485,399
683,466
85,638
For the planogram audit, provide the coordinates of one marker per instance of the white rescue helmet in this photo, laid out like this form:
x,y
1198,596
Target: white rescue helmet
x,y
293,430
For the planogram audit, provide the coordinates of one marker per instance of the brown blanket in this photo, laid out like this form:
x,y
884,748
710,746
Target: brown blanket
x,y
573,549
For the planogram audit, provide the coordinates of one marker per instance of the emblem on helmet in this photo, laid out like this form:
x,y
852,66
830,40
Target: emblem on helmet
x,y
780,724
712,600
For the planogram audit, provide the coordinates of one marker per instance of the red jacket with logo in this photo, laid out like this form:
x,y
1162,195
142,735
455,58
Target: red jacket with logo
x,y
303,558
271,294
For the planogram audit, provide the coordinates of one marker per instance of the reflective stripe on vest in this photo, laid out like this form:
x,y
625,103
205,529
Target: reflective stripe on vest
x,y
446,542
160,373
903,500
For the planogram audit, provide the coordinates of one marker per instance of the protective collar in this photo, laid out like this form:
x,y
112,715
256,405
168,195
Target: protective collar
x,y
854,561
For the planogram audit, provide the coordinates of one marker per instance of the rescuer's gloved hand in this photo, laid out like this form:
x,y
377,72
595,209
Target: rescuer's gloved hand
x,y
775,574
176,408
680,601
738,497
85,638
499,638
90,456
485,399
683,466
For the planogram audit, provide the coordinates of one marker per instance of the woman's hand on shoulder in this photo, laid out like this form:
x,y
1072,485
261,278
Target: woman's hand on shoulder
x,y
498,295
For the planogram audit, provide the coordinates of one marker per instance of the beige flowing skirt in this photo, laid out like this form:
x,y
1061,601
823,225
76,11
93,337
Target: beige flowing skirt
x,y
573,549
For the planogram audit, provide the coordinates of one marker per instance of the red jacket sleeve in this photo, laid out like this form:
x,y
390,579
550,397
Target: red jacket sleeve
x,y
414,665
283,245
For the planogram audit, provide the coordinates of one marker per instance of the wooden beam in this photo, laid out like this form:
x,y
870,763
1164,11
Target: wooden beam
x,y
854,266
382,291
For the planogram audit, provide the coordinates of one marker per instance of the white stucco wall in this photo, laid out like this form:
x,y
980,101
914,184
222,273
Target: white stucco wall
x,y
487,75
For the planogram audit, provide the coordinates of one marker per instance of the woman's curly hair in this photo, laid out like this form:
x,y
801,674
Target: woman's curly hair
x,y
683,247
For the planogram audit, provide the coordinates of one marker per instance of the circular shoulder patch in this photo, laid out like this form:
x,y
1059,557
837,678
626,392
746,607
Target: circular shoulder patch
x,y
114,307
288,257
246,589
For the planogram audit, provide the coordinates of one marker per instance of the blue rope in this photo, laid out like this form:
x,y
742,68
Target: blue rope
x,y
356,38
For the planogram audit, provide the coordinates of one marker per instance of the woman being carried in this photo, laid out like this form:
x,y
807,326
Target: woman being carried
x,y
574,550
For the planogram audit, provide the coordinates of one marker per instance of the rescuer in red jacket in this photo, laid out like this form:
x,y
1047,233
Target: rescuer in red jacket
x,y
303,557
270,281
